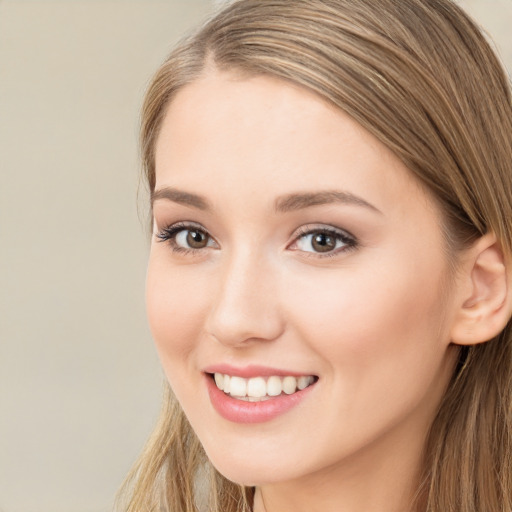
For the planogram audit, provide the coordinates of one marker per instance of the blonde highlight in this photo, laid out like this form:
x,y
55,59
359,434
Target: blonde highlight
x,y
385,64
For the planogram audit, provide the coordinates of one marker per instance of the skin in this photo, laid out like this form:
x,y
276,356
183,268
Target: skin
x,y
371,321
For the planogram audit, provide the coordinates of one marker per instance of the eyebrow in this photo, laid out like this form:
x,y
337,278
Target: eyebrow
x,y
284,204
181,197
292,202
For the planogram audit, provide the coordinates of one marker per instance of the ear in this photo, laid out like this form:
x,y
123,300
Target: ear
x,y
486,298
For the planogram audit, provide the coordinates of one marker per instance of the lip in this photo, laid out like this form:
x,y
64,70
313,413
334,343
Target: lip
x,y
241,411
251,371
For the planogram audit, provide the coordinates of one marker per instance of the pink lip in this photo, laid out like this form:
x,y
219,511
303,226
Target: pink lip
x,y
250,371
240,411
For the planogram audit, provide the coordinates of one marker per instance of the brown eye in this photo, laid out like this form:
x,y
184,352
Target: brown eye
x,y
323,242
327,241
196,239
182,238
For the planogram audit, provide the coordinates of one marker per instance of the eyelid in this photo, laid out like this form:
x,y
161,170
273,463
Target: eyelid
x,y
177,226
347,238
167,234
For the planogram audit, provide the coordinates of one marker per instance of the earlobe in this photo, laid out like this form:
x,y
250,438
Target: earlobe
x,y
486,301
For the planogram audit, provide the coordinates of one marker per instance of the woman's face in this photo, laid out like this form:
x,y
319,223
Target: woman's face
x,y
293,249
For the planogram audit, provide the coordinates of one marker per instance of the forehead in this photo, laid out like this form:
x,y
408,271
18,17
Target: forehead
x,y
268,137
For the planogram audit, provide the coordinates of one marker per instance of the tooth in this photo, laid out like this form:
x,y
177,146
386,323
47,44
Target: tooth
x,y
219,380
256,387
274,386
289,385
226,383
303,382
237,386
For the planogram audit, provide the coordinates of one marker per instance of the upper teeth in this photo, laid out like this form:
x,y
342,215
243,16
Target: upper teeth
x,y
260,388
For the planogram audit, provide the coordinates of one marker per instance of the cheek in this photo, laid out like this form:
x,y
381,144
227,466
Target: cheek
x,y
378,337
176,302
376,324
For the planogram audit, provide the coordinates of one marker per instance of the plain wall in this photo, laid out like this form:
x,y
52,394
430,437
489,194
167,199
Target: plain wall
x,y
80,382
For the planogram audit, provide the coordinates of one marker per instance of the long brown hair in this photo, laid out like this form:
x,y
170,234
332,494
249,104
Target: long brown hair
x,y
419,76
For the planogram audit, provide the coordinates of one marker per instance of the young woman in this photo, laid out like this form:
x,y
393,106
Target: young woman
x,y
329,277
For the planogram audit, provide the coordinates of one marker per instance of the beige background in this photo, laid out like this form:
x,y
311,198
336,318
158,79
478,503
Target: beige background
x,y
79,379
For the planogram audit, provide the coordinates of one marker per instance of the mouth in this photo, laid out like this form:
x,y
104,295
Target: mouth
x,y
261,388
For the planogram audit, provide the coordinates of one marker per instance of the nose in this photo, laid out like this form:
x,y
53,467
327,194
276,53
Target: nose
x,y
246,306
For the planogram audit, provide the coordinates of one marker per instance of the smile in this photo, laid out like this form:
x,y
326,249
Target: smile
x,y
258,389
255,394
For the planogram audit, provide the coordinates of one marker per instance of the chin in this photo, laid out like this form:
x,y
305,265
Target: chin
x,y
251,469
248,477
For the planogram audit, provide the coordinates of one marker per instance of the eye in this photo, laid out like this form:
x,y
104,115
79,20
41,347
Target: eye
x,y
186,237
191,239
323,241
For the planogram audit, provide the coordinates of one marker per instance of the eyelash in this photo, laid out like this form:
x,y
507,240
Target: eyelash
x,y
350,242
168,234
